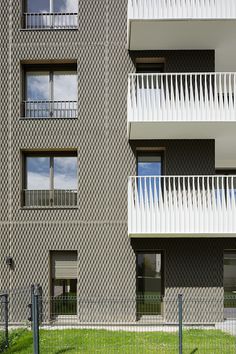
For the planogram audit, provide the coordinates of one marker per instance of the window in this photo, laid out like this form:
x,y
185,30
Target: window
x,y
50,180
150,164
50,92
64,283
230,283
150,283
149,170
51,14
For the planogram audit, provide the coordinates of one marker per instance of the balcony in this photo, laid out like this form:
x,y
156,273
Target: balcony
x,y
50,21
180,24
56,198
170,206
184,106
50,109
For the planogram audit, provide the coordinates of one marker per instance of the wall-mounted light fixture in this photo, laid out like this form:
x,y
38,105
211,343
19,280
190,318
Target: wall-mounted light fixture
x,y
9,261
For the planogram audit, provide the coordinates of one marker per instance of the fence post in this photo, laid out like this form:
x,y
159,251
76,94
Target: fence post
x,y
180,305
5,314
35,317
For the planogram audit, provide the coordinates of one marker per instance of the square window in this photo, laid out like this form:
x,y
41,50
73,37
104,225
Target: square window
x,y
50,92
50,180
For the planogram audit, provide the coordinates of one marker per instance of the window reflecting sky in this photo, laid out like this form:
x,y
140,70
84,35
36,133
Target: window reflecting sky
x,y
40,6
65,172
38,86
68,6
38,173
149,165
65,86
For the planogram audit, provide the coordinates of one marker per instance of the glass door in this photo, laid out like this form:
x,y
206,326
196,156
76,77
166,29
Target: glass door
x,y
150,283
230,284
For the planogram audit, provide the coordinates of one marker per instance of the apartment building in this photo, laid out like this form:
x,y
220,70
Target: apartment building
x,y
118,150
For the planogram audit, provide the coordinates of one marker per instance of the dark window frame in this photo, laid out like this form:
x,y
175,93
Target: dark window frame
x,y
163,268
163,275
152,152
50,68
25,5
50,155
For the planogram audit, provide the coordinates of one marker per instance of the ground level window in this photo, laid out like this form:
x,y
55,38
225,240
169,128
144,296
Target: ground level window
x,y
150,283
230,283
64,283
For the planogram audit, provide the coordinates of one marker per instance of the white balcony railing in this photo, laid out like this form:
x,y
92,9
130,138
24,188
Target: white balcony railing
x,y
181,9
182,205
50,109
50,21
49,198
182,97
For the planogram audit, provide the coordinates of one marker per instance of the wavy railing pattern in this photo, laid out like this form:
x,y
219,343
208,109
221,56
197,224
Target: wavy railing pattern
x,y
182,97
182,204
181,9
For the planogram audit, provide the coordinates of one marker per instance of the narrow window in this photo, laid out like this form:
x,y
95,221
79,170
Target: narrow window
x,y
50,180
149,171
230,284
150,283
64,283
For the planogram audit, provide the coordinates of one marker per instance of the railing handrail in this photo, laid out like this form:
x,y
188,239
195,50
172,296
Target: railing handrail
x,y
50,13
185,176
50,190
181,9
49,101
182,74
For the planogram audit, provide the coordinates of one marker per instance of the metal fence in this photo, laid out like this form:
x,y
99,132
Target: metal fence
x,y
49,198
15,318
4,339
50,109
147,324
33,21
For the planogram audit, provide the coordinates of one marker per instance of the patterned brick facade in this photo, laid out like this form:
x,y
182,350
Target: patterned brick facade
x,y
98,228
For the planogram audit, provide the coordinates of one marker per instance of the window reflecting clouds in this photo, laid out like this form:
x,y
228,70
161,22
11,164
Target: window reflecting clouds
x,y
51,86
65,86
38,173
38,6
42,6
69,6
65,173
37,86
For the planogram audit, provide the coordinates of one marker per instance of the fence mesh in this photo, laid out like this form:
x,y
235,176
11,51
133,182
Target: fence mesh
x,y
147,324
15,316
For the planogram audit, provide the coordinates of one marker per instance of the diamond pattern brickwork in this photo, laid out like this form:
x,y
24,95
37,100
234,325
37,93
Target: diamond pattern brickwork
x,y
98,228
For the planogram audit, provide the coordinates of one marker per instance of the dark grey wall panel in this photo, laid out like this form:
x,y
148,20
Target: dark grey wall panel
x,y
98,229
182,61
183,157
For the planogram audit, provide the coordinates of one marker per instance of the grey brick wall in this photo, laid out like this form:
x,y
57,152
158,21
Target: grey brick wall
x,y
98,229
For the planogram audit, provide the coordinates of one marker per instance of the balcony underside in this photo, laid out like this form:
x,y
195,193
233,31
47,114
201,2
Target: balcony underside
x,y
223,133
186,35
182,235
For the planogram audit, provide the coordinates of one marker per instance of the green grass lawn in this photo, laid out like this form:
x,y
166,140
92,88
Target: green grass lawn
x,y
102,342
